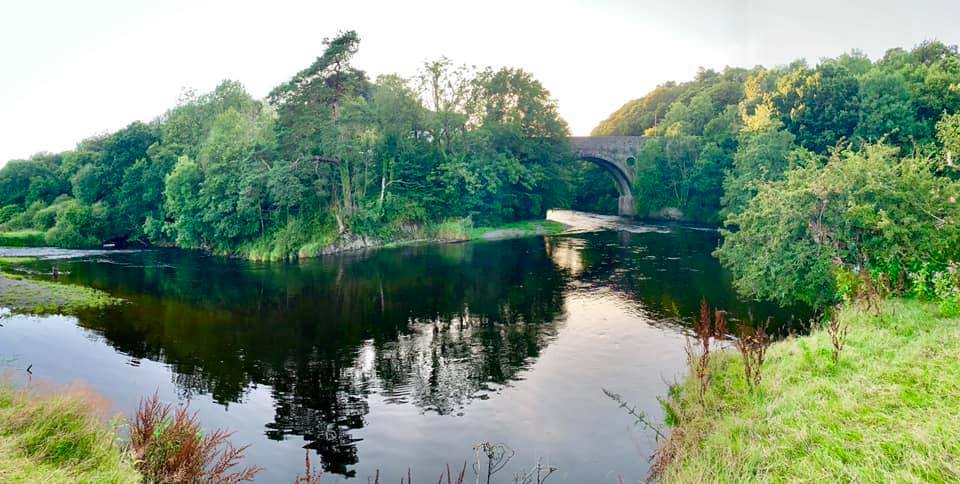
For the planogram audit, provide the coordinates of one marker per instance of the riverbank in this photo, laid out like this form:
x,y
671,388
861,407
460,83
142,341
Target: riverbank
x,y
59,437
26,295
887,412
299,243
22,238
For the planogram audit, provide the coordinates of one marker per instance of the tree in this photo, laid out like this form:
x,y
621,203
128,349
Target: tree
x,y
26,181
184,205
764,153
822,105
312,130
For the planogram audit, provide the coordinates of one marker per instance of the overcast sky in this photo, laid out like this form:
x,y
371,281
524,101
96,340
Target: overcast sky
x,y
71,69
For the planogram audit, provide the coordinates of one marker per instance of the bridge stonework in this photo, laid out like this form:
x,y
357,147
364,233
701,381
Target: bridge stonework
x,y
614,154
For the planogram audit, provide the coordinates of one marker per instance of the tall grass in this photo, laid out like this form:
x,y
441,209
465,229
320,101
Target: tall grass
x,y
885,412
22,238
455,229
60,437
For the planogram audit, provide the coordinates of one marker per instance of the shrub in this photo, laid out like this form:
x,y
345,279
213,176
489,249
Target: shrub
x,y
7,212
868,211
752,344
78,226
946,288
170,447
45,218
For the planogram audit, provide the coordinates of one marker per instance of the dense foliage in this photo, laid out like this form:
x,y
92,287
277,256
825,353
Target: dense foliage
x,y
830,179
328,154
715,138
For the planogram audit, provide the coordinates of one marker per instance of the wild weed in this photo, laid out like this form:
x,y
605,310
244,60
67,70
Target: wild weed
x,y
309,476
170,447
698,348
837,330
498,455
752,344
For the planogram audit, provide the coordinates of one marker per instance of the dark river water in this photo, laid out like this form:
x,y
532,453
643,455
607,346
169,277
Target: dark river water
x,y
400,358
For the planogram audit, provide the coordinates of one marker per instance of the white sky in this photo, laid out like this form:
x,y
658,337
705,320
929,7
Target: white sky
x,y
70,69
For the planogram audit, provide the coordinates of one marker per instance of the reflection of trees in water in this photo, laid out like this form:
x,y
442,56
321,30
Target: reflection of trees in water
x,y
664,275
445,363
431,326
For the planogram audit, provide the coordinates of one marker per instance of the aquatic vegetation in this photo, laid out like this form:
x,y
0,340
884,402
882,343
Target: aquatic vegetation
x,y
26,295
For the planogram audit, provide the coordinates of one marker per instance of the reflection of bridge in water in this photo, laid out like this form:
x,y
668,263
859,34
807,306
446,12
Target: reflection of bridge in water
x,y
615,154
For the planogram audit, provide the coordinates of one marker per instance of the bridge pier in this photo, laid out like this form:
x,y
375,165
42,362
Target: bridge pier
x,y
625,207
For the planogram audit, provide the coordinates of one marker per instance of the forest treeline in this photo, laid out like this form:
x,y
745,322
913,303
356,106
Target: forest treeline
x,y
819,173
714,136
830,180
328,154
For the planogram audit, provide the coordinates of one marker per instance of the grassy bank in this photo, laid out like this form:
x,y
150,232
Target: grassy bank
x,y
58,438
25,295
886,412
304,240
22,238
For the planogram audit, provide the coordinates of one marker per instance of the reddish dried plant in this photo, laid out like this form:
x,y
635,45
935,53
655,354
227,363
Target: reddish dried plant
x,y
450,478
837,330
706,328
752,344
309,476
171,447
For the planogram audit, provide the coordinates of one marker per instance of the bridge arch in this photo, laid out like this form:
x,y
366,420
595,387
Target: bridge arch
x,y
614,154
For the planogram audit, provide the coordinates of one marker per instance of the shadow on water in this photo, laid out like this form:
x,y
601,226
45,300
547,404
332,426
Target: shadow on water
x,y
435,327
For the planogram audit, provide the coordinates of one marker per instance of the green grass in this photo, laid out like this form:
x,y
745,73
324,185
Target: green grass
x,y
58,438
889,411
299,240
27,295
523,228
13,261
22,238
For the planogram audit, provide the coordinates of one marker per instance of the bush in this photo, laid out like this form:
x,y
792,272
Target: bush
x,y
865,211
946,287
170,447
45,218
7,213
78,226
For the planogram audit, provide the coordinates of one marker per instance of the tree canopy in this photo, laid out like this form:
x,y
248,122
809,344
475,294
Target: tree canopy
x,y
329,153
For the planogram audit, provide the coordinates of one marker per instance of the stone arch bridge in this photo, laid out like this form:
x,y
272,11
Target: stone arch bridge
x,y
615,154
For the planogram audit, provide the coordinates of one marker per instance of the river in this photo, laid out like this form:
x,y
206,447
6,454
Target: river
x,y
401,358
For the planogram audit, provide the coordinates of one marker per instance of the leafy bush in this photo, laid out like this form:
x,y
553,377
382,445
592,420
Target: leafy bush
x,y
170,447
7,213
865,210
77,226
946,287
45,218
